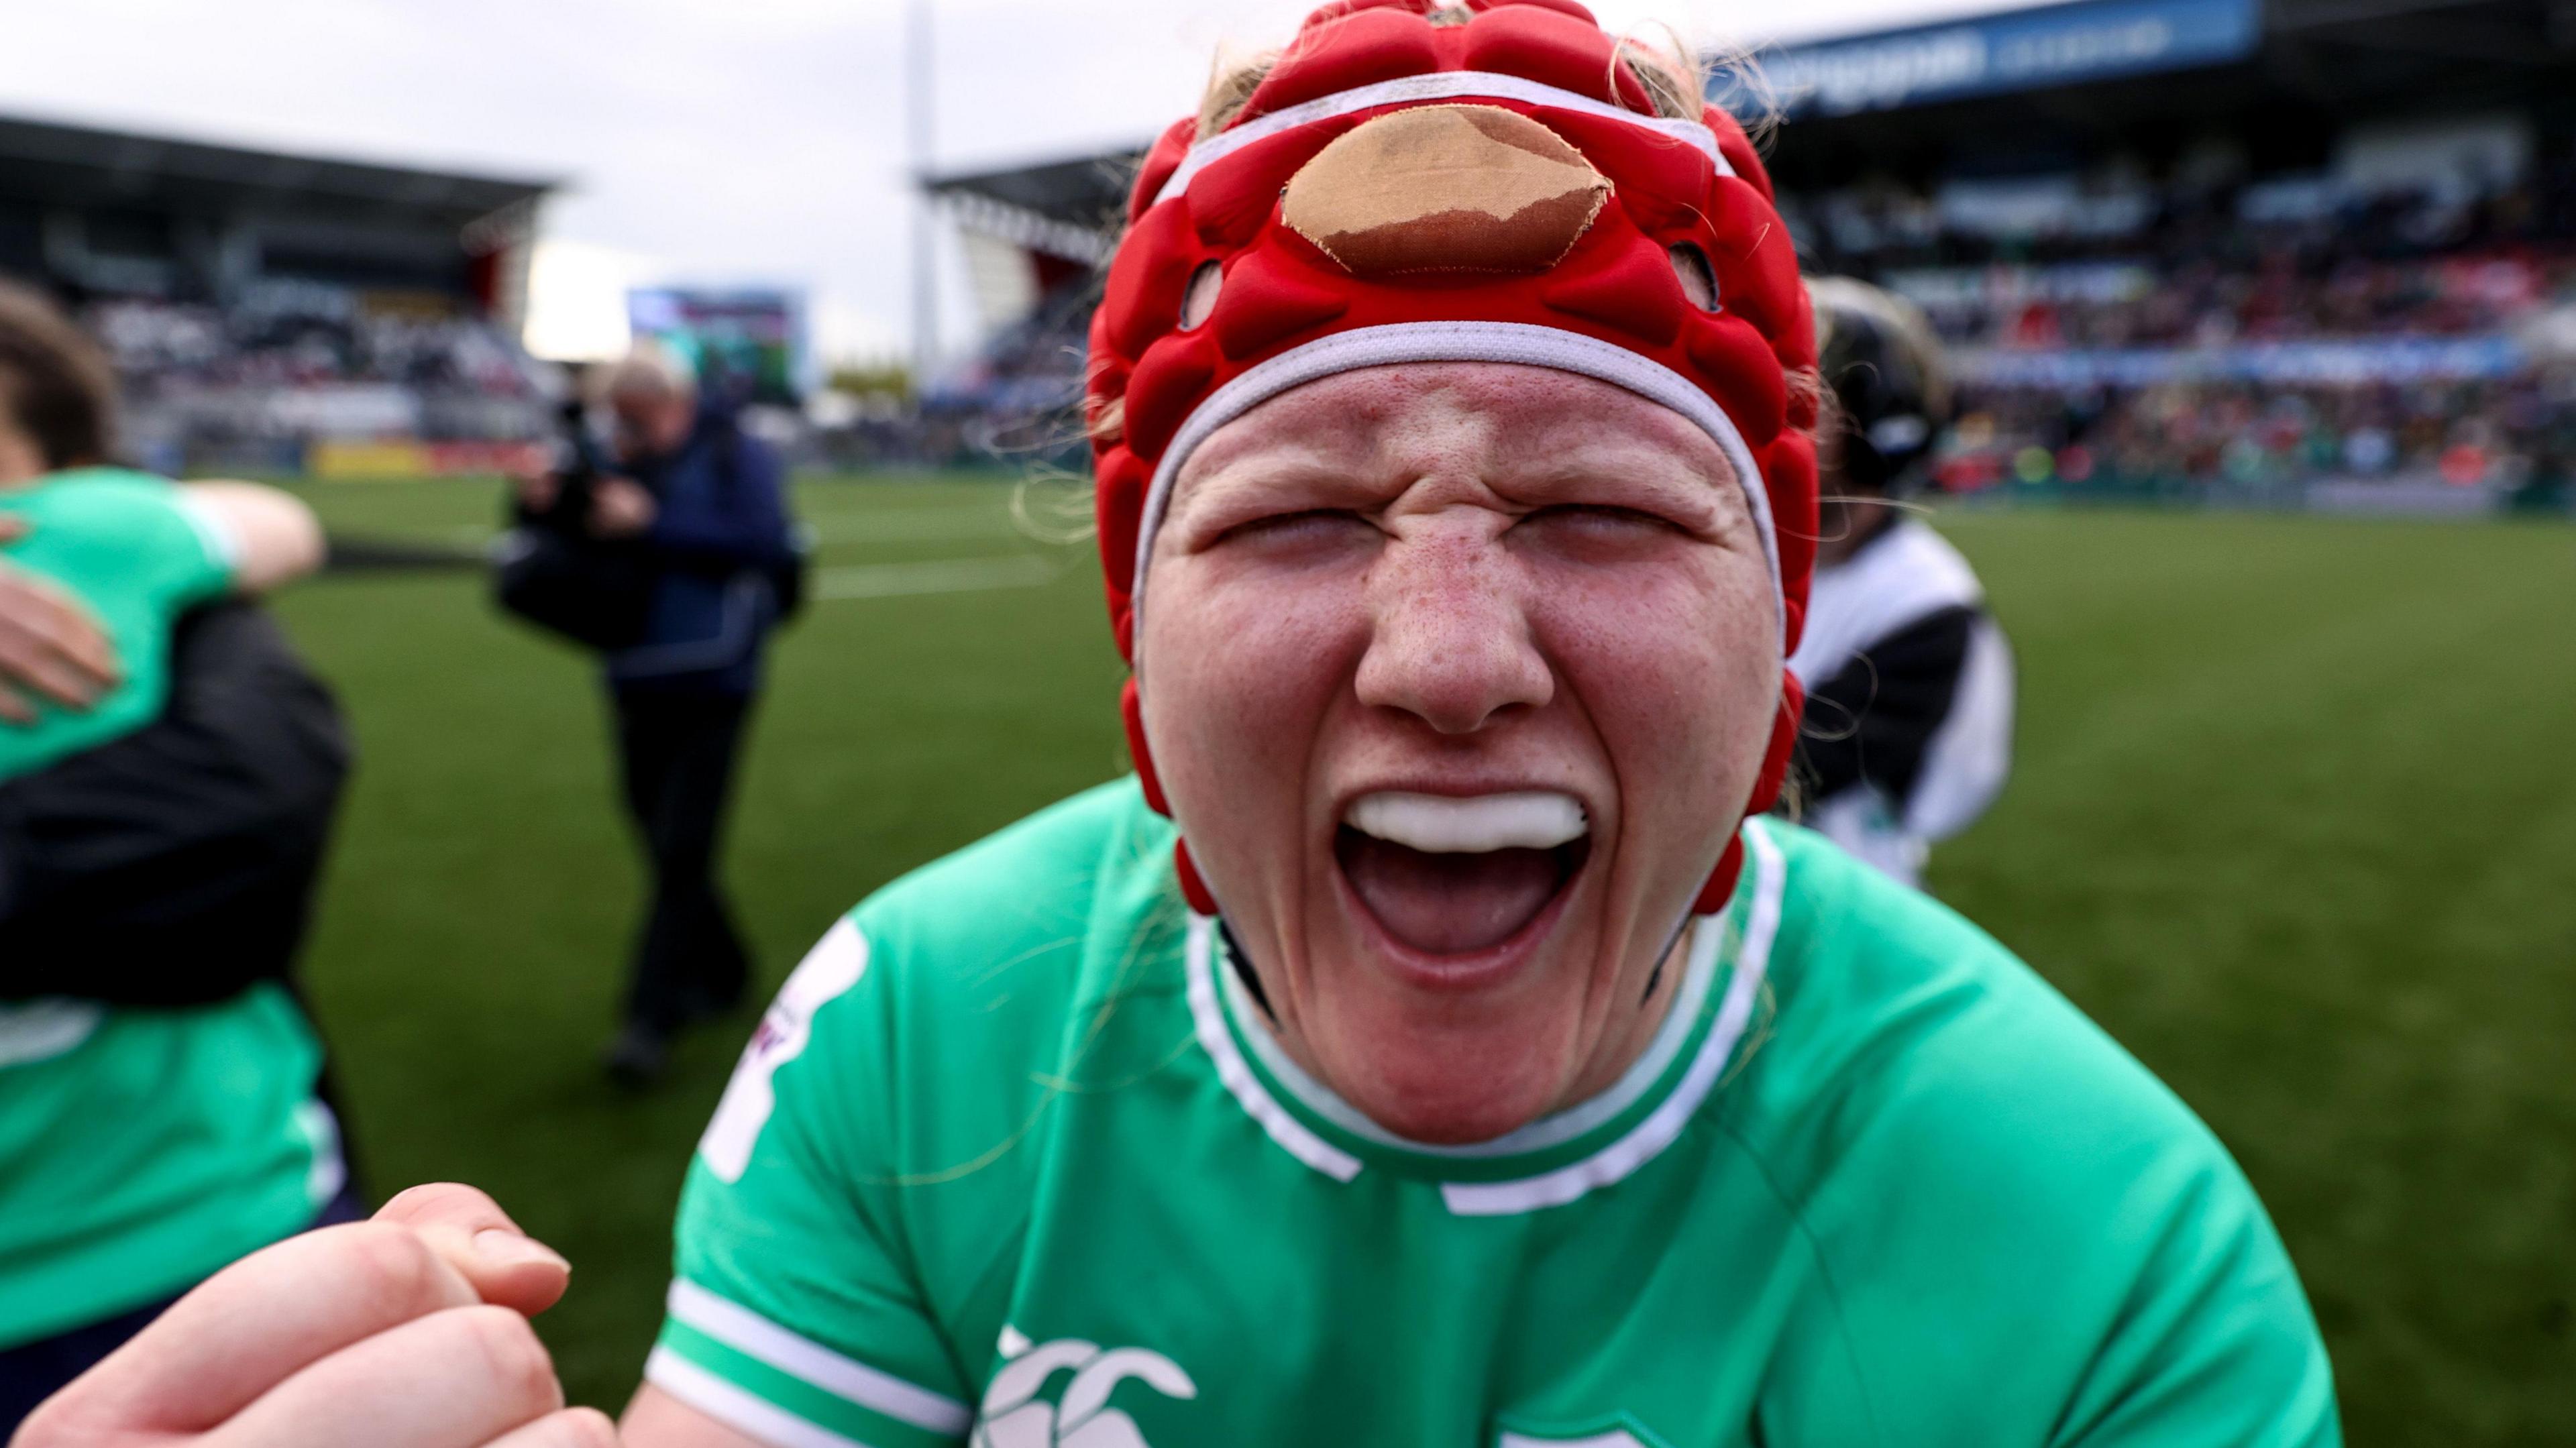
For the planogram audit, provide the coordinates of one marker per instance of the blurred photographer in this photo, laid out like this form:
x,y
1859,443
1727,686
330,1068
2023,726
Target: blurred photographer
x,y
671,554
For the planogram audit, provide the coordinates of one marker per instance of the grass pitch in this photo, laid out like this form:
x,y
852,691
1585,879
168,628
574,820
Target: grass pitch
x,y
2294,817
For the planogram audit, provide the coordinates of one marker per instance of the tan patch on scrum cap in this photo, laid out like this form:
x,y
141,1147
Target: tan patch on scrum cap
x,y
1446,188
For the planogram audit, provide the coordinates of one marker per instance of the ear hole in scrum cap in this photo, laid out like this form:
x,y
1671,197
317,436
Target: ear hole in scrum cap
x,y
1198,302
1697,276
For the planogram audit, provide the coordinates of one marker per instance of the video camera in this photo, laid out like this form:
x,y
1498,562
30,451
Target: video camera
x,y
582,463
551,571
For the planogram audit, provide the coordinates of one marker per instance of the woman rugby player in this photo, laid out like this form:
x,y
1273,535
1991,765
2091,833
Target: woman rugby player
x,y
1431,1046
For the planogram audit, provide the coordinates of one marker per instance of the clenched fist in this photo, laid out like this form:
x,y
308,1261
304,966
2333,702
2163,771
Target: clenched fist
x,y
408,1331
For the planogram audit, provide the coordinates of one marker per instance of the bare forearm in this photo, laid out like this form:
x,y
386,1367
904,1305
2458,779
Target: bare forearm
x,y
276,538
655,1419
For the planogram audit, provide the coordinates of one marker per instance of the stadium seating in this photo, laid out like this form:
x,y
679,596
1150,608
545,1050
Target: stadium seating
x,y
2244,339
323,337
256,384
2237,340
257,303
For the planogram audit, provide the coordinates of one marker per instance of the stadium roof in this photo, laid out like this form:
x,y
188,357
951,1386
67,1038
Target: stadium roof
x,y
48,162
1071,208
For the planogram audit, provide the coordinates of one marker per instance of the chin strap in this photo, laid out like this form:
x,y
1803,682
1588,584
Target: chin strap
x,y
1720,889
1193,889
1713,896
1131,709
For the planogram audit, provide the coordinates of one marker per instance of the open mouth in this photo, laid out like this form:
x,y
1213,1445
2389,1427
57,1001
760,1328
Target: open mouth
x,y
1448,876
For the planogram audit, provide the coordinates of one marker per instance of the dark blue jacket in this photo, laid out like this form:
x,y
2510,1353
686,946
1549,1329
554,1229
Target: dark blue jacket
x,y
720,539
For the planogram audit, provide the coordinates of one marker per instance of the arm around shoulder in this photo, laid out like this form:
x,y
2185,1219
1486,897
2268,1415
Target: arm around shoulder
x,y
274,537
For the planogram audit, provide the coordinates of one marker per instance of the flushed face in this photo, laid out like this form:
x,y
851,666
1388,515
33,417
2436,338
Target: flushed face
x,y
1456,676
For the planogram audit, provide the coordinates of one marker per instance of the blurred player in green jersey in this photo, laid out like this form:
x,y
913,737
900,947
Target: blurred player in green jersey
x,y
140,1150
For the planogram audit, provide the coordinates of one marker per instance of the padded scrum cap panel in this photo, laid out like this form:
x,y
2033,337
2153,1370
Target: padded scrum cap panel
x,y
1501,190
1142,303
1365,48
1661,187
1554,48
1161,159
1268,300
1633,290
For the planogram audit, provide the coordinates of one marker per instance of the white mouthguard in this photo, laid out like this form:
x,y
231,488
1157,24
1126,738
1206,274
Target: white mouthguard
x,y
1441,825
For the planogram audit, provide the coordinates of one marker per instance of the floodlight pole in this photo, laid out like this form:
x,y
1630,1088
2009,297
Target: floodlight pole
x,y
921,93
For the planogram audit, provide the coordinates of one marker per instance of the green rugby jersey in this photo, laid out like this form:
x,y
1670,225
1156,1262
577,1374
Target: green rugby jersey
x,y
130,547
1015,1159
141,1151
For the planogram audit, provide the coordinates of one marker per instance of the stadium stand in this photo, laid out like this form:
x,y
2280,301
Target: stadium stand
x,y
2316,252
280,312
1035,238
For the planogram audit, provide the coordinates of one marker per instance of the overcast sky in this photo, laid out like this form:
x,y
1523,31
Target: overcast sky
x,y
711,141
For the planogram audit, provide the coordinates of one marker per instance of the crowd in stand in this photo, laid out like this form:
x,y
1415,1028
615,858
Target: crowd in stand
x,y
2314,221
2516,434
2248,336
303,337
2207,302
252,384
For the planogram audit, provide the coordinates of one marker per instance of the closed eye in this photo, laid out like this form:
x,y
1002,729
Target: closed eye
x,y
1315,526
1602,520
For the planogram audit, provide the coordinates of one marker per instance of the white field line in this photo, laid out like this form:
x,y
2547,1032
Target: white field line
x,y
932,528
951,575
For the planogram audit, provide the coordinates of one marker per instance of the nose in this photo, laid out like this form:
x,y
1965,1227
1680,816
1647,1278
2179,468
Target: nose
x,y
1450,639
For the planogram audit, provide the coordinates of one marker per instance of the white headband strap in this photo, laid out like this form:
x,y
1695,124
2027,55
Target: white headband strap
x,y
1406,342
1437,86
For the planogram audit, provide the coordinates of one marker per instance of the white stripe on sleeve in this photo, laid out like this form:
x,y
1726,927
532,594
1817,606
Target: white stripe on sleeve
x,y
753,1335
736,1407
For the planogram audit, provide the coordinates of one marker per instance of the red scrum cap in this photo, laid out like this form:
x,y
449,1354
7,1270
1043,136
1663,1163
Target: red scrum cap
x,y
1503,190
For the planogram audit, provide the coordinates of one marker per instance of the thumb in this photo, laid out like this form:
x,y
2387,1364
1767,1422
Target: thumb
x,y
470,1232
13,528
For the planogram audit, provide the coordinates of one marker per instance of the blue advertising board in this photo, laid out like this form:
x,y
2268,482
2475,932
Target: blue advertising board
x,y
2020,50
2342,363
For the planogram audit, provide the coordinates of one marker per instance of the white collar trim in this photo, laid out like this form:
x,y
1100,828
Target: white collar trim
x,y
1613,1162
1708,935
1293,1136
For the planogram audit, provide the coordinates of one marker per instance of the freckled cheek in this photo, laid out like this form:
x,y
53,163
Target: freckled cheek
x,y
1678,672
1239,675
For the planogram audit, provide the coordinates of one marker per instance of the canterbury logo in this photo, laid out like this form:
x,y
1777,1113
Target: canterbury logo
x,y
1013,1416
